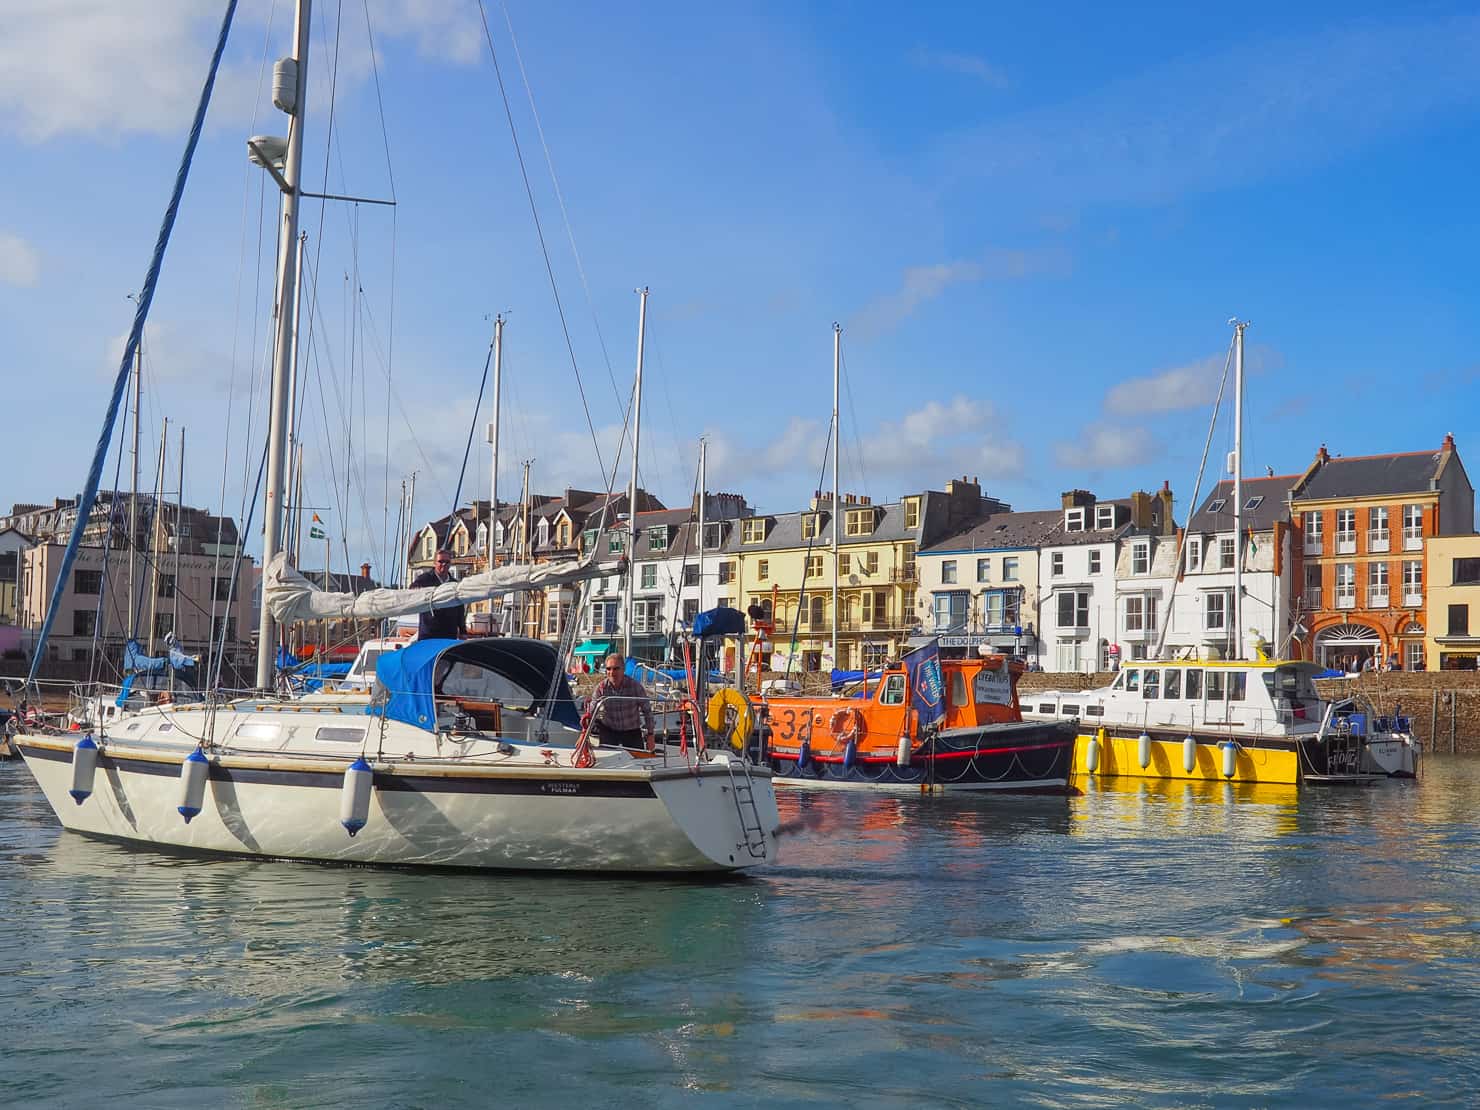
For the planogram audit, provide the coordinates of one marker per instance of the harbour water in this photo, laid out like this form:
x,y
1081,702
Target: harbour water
x,y
1186,946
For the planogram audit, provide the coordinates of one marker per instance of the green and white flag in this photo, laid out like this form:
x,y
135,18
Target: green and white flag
x,y
314,531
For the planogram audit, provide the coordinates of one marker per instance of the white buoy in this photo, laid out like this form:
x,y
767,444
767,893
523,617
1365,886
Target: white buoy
x,y
1189,755
84,767
193,774
1230,758
1143,749
354,796
902,753
1092,754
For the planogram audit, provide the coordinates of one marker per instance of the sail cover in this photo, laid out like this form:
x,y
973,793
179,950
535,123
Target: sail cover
x,y
294,598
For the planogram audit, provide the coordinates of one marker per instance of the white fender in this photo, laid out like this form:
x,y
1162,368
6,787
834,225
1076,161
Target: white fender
x,y
1230,758
84,767
1092,754
1189,755
354,796
1143,750
193,774
902,753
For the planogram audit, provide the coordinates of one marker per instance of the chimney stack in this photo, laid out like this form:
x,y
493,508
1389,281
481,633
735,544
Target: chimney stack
x,y
1323,456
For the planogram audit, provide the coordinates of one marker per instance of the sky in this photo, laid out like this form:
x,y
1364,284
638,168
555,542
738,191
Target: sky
x,y
1033,227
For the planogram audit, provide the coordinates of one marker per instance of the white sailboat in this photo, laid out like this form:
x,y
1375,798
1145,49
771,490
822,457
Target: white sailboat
x,y
463,754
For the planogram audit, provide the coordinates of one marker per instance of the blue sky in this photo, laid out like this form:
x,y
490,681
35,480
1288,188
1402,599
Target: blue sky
x,y
1032,225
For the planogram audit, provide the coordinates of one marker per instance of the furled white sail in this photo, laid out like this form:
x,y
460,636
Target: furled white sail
x,y
294,598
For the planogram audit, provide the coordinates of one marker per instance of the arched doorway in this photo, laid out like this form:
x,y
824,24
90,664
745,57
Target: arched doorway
x,y
1348,646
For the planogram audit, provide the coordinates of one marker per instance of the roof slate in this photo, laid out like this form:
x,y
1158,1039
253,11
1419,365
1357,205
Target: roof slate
x,y
1261,519
1373,476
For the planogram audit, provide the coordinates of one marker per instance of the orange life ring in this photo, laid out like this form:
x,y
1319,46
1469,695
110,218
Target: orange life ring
x,y
846,725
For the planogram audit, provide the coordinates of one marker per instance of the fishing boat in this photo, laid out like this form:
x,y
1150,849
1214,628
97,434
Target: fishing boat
x,y
466,754
1255,721
927,724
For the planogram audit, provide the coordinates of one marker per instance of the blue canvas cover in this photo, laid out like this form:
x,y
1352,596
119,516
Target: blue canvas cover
x,y
722,621
136,662
407,676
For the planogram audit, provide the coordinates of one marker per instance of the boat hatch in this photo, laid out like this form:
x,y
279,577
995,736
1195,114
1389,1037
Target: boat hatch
x,y
258,730
340,734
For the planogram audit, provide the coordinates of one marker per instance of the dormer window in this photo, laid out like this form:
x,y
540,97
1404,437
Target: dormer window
x,y
1217,506
859,522
498,534
912,512
811,525
713,536
1253,503
1074,520
542,534
482,539
657,537
1104,517
753,530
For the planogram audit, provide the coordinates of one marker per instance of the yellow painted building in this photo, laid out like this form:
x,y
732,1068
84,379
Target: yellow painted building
x,y
1452,616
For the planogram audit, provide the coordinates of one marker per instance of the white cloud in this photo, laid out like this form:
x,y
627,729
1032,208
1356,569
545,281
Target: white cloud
x,y
1108,447
95,67
959,436
1189,386
922,284
19,262
968,65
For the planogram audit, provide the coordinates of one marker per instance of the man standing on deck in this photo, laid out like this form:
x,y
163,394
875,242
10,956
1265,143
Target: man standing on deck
x,y
620,709
440,624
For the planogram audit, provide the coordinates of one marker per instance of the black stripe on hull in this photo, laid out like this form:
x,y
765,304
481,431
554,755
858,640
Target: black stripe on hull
x,y
554,786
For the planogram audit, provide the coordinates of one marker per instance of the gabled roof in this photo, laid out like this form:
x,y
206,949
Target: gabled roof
x,y
785,530
1001,531
1261,518
1373,476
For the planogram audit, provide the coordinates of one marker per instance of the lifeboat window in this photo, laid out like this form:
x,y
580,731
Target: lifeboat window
x,y
1238,685
1133,679
1171,686
892,692
1193,686
1151,685
258,730
1070,711
1047,707
958,689
340,734
1094,710
1215,685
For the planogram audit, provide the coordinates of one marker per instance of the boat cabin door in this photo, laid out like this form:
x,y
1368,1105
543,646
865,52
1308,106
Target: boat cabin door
x,y
890,714
1225,694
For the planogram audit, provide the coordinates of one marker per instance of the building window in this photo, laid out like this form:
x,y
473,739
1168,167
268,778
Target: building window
x,y
84,622
1140,613
1056,564
167,585
819,611
752,531
164,624
951,611
588,538
1467,572
542,533
912,512
650,576
1104,517
984,570
1312,586
647,615
226,625
1194,553
1141,557
1225,552
1010,569
690,610
726,573
555,618
1073,609
1346,531
604,617
713,534
948,571
814,566
691,575
1314,542
1346,585
1413,656
87,582
1215,611
220,589
1412,527
875,607
1094,562
1253,503
1412,582
1377,585
428,546
614,543
844,562
811,525
860,522
1378,536
1459,620
657,537
762,570
871,562
907,561
1074,520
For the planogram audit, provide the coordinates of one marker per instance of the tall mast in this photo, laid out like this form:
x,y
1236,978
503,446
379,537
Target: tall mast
x,y
498,372
133,497
293,502
703,499
179,516
632,488
837,361
1238,488
410,523
283,350
154,537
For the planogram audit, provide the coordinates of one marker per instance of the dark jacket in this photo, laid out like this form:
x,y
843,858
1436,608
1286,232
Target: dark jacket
x,y
439,624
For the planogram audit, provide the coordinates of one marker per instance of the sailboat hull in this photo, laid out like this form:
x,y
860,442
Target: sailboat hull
x,y
424,814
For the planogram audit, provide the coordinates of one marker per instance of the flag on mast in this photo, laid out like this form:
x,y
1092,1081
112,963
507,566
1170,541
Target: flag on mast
x,y
314,531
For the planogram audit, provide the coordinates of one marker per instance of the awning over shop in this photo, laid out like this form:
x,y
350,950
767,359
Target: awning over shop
x,y
595,647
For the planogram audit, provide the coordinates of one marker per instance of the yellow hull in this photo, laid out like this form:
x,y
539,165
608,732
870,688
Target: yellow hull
x,y
1119,757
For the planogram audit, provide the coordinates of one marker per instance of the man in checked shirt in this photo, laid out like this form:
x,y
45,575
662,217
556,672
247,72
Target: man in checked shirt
x,y
620,707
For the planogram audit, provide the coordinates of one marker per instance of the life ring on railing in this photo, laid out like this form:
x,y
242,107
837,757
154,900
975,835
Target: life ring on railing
x,y
731,717
846,725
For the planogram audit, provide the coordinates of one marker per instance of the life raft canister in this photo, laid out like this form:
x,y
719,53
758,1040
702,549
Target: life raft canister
x,y
729,715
